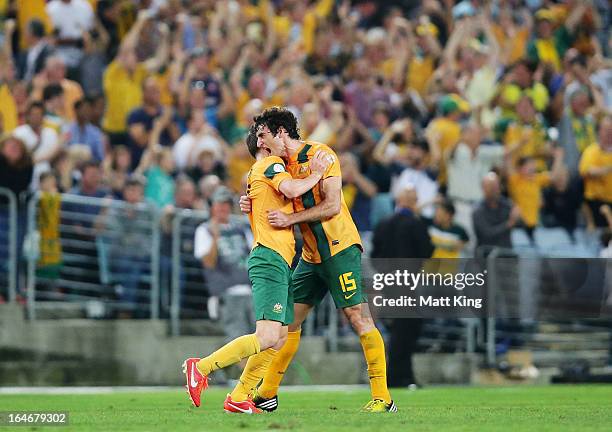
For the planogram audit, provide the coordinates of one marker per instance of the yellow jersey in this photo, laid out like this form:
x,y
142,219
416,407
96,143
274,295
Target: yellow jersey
x,y
516,46
123,93
8,109
547,52
420,71
449,132
526,192
322,239
599,188
263,182
535,146
28,10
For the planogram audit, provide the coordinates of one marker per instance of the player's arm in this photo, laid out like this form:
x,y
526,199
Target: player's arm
x,y
328,207
293,188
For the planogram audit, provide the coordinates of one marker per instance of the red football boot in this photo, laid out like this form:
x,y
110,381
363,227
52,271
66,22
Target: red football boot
x,y
196,381
246,407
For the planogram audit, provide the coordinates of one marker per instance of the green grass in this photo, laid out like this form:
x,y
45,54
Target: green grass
x,y
552,408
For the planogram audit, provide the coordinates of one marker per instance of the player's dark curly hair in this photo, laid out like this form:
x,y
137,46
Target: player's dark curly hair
x,y
275,118
251,140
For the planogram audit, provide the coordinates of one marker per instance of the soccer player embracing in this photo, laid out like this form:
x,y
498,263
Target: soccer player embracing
x,y
270,187
330,262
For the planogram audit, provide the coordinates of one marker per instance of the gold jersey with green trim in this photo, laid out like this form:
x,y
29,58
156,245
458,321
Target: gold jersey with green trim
x,y
263,182
326,238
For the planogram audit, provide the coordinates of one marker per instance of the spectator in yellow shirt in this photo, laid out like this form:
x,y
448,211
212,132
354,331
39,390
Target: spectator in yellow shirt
x,y
525,187
550,43
8,107
512,33
443,133
417,54
55,73
124,77
596,170
528,135
26,12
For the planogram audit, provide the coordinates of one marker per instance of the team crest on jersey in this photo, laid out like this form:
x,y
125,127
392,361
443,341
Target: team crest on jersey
x,y
278,168
303,168
278,308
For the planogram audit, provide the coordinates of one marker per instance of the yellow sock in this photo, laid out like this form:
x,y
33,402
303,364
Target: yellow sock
x,y
253,372
230,353
374,352
276,370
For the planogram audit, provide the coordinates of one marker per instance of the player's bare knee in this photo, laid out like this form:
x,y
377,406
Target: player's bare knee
x,y
267,340
281,340
268,336
361,323
352,313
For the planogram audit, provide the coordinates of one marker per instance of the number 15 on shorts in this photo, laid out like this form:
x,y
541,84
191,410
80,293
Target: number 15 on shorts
x,y
347,283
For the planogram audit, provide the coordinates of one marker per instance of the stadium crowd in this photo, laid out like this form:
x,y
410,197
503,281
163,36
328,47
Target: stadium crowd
x,y
496,114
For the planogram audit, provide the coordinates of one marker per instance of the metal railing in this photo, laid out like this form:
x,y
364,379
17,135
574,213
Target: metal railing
x,y
186,272
8,243
534,303
164,278
108,256
111,264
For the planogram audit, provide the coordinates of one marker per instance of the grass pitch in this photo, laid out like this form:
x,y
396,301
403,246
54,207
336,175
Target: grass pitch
x,y
552,408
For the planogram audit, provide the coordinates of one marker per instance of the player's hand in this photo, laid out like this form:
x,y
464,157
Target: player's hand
x,y
245,204
278,219
320,162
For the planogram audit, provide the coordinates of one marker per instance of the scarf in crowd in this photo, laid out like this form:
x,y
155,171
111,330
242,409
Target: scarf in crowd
x,y
48,225
584,131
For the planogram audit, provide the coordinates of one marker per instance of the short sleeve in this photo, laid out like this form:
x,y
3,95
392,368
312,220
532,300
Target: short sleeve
x,y
275,172
586,161
333,170
463,236
134,117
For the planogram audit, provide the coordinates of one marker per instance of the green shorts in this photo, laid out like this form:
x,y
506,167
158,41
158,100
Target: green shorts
x,y
271,280
340,275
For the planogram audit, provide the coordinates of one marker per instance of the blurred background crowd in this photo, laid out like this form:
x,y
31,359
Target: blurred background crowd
x,y
485,117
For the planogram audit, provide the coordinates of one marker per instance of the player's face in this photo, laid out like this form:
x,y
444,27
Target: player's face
x,y
274,144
